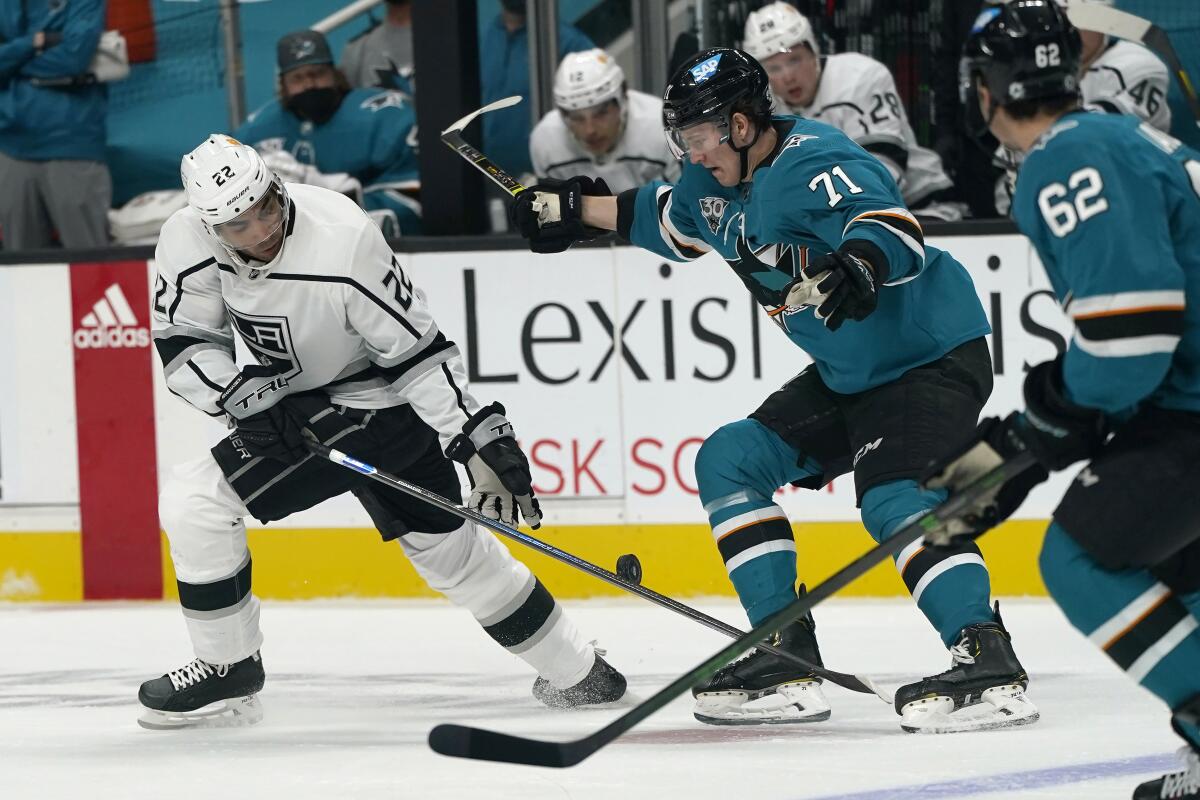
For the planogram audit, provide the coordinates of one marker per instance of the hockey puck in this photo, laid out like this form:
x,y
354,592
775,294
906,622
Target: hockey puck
x,y
629,568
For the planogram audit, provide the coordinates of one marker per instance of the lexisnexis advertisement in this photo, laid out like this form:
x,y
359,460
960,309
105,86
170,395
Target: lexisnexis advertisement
x,y
613,364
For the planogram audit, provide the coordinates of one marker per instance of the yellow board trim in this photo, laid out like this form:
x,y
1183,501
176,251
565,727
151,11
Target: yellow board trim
x,y
45,567
677,560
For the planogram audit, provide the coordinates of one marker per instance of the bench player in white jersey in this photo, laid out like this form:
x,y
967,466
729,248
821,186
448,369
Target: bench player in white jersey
x,y
348,354
854,93
1121,77
600,128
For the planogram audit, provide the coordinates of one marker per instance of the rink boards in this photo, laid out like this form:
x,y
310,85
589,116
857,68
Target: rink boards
x,y
613,364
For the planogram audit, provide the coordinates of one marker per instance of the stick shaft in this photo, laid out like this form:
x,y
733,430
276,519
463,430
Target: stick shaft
x,y
852,682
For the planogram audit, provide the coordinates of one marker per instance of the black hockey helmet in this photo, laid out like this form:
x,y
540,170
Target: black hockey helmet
x,y
707,87
1021,50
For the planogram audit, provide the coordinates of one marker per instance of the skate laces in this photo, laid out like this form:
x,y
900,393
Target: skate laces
x,y
1181,784
961,654
195,672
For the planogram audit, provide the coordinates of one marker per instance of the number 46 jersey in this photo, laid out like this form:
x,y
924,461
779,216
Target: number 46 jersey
x,y
334,311
1111,205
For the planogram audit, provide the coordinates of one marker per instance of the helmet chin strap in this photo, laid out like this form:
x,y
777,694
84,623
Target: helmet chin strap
x,y
744,154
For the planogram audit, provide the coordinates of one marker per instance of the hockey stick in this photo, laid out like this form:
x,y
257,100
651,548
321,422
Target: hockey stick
x,y
1123,25
477,743
855,683
453,139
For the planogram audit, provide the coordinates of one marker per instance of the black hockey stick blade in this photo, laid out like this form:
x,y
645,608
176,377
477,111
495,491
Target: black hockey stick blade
x,y
1114,22
855,683
467,742
452,137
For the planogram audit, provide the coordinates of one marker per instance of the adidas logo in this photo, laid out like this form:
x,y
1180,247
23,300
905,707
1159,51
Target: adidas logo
x,y
111,323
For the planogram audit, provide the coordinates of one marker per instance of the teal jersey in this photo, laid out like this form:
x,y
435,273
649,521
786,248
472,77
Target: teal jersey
x,y
819,191
1111,205
372,136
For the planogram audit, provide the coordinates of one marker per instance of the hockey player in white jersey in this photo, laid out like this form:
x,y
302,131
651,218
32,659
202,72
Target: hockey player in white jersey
x,y
854,93
348,354
1120,77
600,128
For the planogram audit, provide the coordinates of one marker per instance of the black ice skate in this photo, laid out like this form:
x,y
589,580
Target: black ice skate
x,y
763,689
204,695
983,689
602,685
1182,785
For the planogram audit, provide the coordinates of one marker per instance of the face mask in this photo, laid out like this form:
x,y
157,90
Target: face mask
x,y
316,105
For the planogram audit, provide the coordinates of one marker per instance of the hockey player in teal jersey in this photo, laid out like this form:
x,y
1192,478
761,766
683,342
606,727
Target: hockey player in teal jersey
x,y
361,142
1111,205
815,228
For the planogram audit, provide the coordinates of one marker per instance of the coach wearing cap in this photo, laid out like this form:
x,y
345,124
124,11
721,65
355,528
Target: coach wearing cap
x,y
320,131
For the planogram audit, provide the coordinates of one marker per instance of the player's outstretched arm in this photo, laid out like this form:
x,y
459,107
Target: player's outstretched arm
x,y
551,214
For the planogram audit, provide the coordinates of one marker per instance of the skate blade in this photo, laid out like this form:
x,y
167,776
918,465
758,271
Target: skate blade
x,y
236,712
789,704
998,707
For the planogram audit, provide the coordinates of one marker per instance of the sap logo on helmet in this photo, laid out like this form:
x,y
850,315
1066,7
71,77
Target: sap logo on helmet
x,y
110,323
985,16
706,69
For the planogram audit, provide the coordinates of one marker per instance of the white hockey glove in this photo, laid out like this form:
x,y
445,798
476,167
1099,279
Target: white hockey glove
x,y
500,479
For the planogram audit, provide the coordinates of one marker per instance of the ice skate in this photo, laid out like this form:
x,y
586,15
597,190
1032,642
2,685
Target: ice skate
x,y
203,695
603,684
983,689
1181,785
763,689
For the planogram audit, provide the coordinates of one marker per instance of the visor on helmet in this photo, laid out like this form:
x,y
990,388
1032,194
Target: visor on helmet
x,y
700,138
257,226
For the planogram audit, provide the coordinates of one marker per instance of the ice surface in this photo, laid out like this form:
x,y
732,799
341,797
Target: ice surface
x,y
353,689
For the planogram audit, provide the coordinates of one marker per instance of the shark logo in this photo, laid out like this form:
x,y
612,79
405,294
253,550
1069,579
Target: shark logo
x,y
713,208
766,271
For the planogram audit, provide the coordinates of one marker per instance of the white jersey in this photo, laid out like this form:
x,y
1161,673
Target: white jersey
x,y
335,311
858,96
641,154
1126,78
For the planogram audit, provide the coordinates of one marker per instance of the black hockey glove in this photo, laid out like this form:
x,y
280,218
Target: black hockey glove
x,y
500,479
1059,432
994,442
1056,431
252,390
550,214
279,432
848,284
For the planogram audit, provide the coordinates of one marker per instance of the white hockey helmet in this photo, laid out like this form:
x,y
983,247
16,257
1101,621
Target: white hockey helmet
x,y
224,179
587,79
777,28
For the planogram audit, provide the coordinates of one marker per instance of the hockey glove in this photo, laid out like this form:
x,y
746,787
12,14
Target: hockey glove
x,y
1059,432
279,431
848,284
500,479
995,441
252,390
1056,431
550,214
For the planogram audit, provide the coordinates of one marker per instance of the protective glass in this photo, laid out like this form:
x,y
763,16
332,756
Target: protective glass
x,y
256,225
697,139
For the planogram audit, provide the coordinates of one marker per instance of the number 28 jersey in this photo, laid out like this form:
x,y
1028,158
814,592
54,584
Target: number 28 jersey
x,y
335,311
